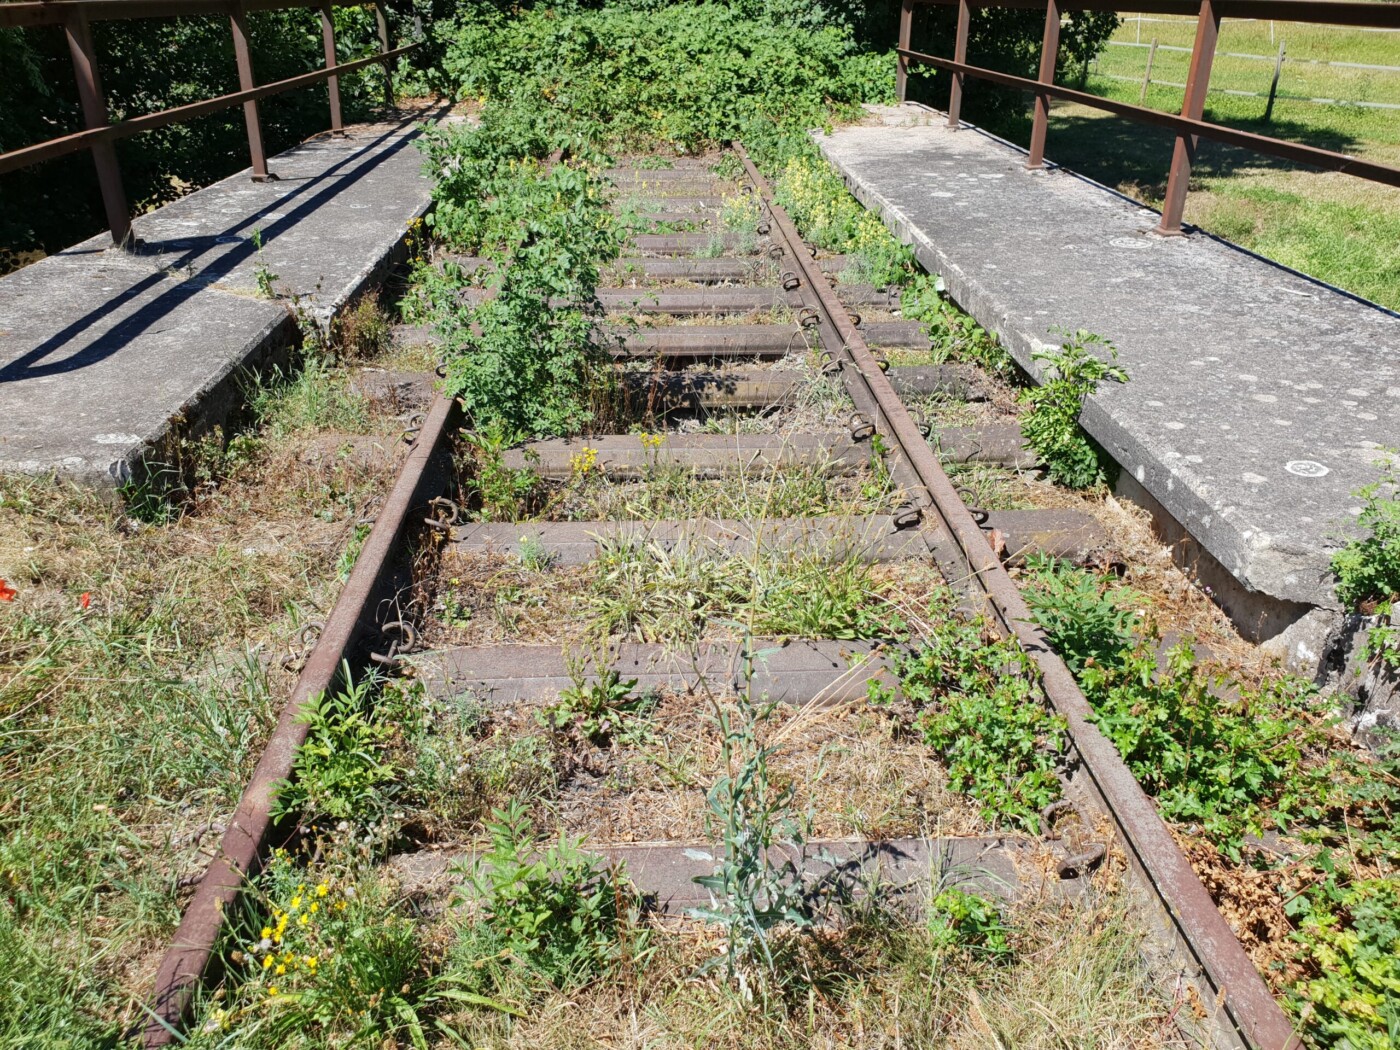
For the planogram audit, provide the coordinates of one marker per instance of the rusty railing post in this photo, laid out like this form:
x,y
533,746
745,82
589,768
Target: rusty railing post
x,y
239,25
1049,53
104,154
906,37
383,28
332,82
955,92
1193,106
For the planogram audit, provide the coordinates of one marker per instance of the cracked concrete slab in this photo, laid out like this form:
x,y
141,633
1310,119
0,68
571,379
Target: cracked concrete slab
x,y
1259,399
104,353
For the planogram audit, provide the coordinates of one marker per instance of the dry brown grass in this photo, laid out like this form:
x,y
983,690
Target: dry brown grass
x,y
1077,980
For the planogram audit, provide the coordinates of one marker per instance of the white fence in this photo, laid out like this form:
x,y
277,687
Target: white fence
x,y
1152,46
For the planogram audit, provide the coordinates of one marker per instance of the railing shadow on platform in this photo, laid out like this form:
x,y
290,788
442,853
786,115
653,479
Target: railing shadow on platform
x,y
332,182
101,135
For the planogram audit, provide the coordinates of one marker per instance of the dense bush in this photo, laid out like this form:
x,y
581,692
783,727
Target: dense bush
x,y
687,75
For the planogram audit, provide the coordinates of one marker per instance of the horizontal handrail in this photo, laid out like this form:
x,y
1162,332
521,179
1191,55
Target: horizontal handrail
x,y
81,140
1324,159
1321,12
1190,126
75,16
30,13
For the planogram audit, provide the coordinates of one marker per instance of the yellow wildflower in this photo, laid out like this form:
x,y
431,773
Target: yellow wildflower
x,y
322,890
267,962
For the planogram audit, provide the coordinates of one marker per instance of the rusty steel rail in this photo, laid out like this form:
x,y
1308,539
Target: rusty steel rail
x,y
1189,126
75,17
190,956
1251,1008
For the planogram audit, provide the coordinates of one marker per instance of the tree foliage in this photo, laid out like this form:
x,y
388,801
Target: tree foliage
x,y
148,65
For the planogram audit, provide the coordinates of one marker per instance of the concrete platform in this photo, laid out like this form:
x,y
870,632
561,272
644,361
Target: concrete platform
x,y
104,354
1259,400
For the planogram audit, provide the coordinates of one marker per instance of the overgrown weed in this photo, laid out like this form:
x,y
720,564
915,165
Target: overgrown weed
x,y
757,891
1368,566
1072,458
565,916
975,697
1228,760
1075,968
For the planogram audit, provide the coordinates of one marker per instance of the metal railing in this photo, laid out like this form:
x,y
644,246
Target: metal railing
x,y
75,17
1189,125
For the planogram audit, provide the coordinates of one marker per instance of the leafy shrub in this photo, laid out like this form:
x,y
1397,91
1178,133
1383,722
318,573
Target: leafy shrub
x,y
958,919
557,911
1354,944
1208,759
1383,642
505,493
955,335
686,76
340,769
525,359
1368,568
1234,760
979,705
1052,428
1347,931
1082,617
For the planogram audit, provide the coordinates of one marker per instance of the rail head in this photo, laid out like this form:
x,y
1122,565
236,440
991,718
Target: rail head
x,y
1253,1012
192,950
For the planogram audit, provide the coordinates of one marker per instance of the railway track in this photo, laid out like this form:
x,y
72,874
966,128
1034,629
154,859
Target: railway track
x,y
732,324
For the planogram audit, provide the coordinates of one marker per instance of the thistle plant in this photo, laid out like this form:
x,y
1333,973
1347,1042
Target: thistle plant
x,y
753,889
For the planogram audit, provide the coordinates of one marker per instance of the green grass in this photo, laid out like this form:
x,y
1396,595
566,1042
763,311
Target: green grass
x,y
642,591
1299,77
678,493
140,673
316,396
